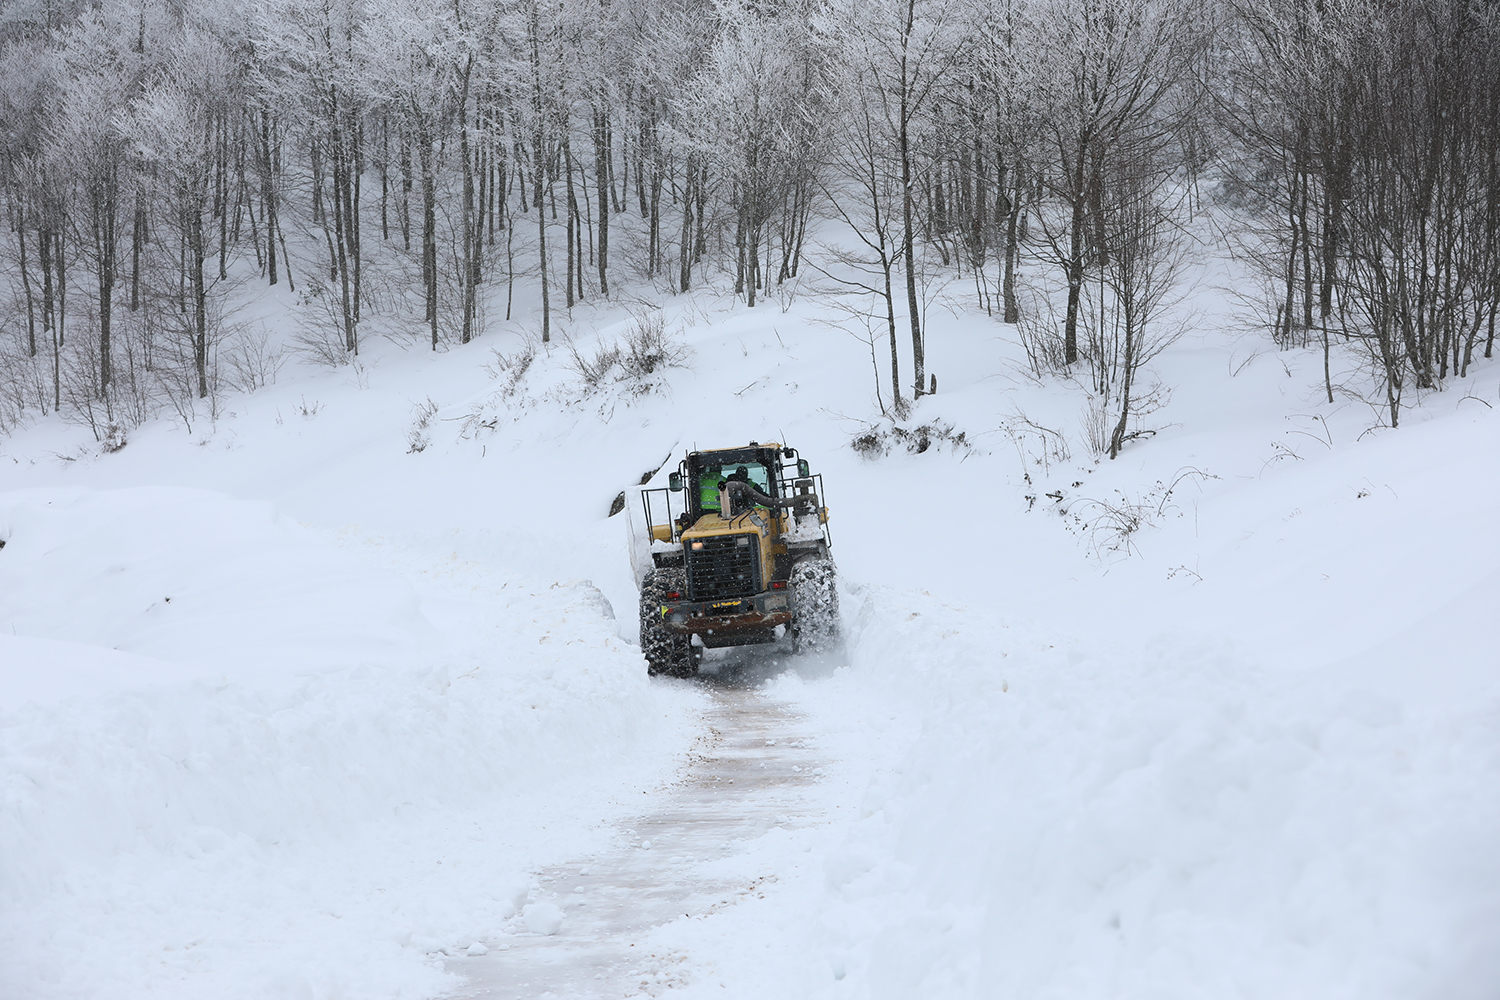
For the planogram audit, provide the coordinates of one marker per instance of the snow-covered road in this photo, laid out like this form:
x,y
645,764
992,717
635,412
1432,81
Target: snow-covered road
x,y
751,771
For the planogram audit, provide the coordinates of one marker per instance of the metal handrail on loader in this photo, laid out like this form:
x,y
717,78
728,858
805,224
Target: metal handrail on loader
x,y
660,497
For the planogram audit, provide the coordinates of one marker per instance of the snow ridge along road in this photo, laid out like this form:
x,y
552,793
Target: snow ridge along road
x,y
585,932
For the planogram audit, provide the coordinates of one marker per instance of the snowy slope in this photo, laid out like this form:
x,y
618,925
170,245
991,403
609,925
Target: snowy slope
x,y
241,761
1247,749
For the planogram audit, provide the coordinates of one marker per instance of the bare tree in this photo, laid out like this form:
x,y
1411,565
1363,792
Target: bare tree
x,y
1143,243
904,49
1113,69
869,202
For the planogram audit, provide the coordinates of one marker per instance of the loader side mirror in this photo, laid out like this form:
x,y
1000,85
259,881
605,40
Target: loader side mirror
x,y
802,469
674,482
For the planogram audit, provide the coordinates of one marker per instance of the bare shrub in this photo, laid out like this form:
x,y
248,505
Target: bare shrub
x,y
319,338
879,440
85,399
251,361
510,369
319,345
1098,423
1101,430
635,363
135,392
419,435
869,444
18,385
1110,526
650,347
1042,338
1035,445
594,370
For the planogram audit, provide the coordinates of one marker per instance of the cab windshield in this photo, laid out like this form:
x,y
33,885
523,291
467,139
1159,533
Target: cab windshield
x,y
711,475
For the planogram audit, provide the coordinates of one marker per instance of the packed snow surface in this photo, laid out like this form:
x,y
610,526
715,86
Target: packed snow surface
x,y
291,707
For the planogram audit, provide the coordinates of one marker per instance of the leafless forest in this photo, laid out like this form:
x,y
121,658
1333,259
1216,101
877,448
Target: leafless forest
x,y
419,169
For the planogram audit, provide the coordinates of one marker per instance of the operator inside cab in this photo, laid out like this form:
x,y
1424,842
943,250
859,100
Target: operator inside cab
x,y
711,476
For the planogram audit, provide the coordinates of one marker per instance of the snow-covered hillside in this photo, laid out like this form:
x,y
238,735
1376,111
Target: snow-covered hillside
x,y
297,703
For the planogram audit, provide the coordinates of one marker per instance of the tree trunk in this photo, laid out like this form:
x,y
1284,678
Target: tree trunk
x,y
1075,260
105,244
1117,439
267,195
575,250
1075,289
49,321
20,228
221,196
341,223
601,184
44,255
200,297
406,186
898,403
385,177
429,235
471,234
60,261
354,172
685,248
1012,251
908,239
653,241
539,163
137,240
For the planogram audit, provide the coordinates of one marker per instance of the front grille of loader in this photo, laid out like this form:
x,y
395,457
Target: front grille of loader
x,y
724,568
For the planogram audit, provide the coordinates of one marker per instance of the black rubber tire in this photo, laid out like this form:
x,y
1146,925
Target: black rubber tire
x,y
814,585
666,652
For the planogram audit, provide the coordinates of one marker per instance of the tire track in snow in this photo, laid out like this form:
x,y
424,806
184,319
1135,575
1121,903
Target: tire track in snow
x,y
751,772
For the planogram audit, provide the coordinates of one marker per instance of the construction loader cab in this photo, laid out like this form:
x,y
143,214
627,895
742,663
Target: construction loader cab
x,y
740,554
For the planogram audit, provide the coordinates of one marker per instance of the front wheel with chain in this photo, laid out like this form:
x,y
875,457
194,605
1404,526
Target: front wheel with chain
x,y
666,652
814,584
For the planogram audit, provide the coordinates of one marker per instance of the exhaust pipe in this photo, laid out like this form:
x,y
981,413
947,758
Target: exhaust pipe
x,y
732,490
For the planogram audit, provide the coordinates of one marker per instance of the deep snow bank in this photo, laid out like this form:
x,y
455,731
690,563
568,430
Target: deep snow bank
x,y
1254,757
1275,779
340,789
196,578
1089,820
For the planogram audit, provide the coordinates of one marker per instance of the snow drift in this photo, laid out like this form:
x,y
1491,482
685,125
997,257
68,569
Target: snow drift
x,y
288,783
